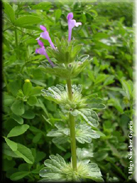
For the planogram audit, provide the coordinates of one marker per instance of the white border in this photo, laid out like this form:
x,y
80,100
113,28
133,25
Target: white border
x,y
135,84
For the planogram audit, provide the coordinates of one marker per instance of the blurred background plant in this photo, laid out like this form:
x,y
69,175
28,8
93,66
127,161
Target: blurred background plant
x,y
107,36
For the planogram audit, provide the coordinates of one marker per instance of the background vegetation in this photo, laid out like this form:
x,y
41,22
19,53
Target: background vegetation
x,y
107,35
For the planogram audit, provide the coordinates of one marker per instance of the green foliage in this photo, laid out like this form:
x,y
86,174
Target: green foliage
x,y
84,133
66,71
58,169
70,54
33,127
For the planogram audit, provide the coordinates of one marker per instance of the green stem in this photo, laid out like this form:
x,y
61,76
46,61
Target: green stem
x,y
72,130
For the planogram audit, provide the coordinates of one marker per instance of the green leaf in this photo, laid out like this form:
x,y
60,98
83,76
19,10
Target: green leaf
x,y
27,87
18,130
57,169
11,144
84,153
14,87
58,13
19,175
36,91
32,100
18,107
42,6
66,71
18,119
20,151
25,153
7,150
84,133
29,114
37,138
27,20
9,11
116,103
8,99
96,103
88,115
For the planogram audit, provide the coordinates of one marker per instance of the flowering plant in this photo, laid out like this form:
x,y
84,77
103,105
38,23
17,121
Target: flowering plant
x,y
71,102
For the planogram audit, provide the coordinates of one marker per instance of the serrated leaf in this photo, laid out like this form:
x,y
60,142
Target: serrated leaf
x,y
18,130
60,140
96,103
65,72
57,168
83,153
88,115
84,133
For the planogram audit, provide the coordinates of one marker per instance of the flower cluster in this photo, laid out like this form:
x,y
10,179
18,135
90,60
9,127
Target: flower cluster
x,y
45,35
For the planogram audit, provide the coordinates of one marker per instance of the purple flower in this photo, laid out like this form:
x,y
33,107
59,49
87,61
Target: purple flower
x,y
45,35
71,23
42,51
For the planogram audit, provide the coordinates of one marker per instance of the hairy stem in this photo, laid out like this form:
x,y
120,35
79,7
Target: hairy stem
x,y
72,130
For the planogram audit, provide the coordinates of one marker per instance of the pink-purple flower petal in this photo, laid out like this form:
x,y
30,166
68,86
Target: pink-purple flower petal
x,y
71,24
42,51
45,35
43,28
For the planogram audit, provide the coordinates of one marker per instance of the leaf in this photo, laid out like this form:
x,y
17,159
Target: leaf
x,y
18,130
27,87
60,140
116,103
20,151
63,71
19,175
18,119
9,11
88,115
14,87
57,169
8,99
58,13
84,153
37,138
84,133
36,91
18,107
27,20
11,144
109,80
7,150
25,153
42,6
96,103
29,114
32,100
